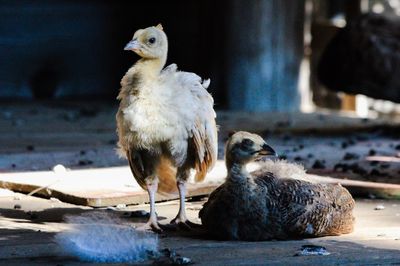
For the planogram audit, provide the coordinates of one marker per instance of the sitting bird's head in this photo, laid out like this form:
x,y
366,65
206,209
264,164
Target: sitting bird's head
x,y
243,147
149,43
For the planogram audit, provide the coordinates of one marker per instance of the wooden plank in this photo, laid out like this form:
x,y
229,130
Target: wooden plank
x,y
112,186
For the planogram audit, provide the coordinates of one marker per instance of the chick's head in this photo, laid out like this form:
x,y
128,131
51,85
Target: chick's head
x,y
243,147
149,43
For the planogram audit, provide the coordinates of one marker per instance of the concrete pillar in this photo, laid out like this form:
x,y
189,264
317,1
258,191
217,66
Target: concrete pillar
x,y
264,52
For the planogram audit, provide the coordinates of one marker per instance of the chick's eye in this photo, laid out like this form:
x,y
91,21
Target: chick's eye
x,y
152,40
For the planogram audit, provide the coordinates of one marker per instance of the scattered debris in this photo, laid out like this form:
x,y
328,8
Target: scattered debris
x,y
121,206
310,250
170,257
350,156
379,207
137,214
355,168
318,165
59,168
342,167
85,162
371,152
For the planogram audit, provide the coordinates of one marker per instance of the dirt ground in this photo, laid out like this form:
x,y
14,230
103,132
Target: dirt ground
x,y
28,226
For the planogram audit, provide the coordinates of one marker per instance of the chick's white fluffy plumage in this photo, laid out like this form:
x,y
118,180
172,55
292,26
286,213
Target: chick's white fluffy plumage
x,y
173,108
165,122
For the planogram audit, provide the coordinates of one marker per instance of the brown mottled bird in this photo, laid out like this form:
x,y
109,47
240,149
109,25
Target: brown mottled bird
x,y
165,122
268,203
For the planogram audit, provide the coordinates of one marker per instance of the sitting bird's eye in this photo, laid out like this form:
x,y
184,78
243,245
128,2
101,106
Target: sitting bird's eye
x,y
152,40
247,143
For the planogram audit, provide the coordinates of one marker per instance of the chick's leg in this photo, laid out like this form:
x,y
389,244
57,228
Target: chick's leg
x,y
152,224
181,218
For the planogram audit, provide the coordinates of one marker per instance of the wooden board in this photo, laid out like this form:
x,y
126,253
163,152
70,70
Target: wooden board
x,y
112,186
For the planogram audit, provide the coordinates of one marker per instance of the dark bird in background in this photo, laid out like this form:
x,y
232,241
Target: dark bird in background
x,y
364,58
165,123
269,203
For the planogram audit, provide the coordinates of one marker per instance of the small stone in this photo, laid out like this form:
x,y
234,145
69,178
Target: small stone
x,y
379,207
13,165
59,168
318,165
121,206
350,156
355,168
371,152
342,167
137,214
182,261
85,162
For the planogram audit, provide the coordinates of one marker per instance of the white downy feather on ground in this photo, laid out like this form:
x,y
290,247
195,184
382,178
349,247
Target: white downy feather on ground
x,y
103,237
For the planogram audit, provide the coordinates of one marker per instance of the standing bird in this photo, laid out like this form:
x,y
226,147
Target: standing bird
x,y
266,204
165,123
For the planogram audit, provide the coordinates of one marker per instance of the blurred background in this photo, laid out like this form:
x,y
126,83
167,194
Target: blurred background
x,y
260,55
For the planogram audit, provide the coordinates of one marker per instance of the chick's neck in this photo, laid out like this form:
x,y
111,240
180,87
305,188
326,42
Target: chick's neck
x,y
151,67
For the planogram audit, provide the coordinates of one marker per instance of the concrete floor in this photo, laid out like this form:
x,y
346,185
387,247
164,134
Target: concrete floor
x,y
28,226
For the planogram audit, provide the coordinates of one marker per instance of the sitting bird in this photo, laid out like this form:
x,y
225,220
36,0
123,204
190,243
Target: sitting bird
x,y
268,203
165,123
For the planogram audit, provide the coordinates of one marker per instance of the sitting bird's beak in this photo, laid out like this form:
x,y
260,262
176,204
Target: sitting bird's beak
x,y
267,150
132,45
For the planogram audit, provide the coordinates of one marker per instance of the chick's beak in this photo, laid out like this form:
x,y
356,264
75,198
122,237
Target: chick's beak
x,y
267,150
132,45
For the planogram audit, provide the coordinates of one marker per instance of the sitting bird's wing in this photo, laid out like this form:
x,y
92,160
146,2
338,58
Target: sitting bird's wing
x,y
198,115
313,209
